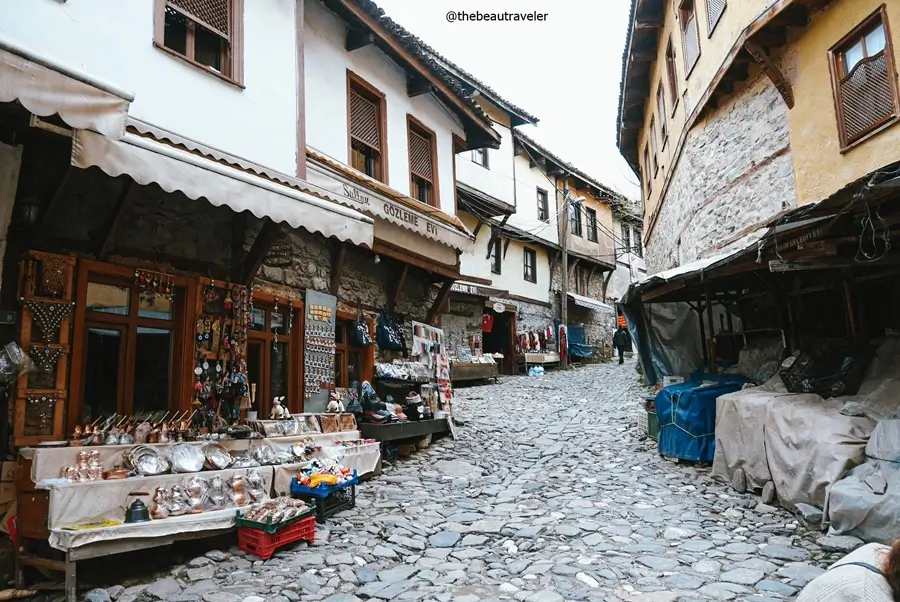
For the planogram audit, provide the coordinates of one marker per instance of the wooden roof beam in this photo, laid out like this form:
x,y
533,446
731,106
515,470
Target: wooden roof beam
x,y
357,38
417,86
772,72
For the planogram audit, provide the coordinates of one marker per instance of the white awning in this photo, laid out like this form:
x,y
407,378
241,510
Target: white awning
x,y
147,161
45,88
582,301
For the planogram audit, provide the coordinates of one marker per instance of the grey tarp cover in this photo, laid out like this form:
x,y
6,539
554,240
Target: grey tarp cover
x,y
853,507
802,442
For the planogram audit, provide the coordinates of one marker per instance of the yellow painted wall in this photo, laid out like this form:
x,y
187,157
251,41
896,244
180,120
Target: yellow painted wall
x,y
713,50
819,167
603,249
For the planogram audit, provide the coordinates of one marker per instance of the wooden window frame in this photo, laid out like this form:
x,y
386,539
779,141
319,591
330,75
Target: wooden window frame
x,y
413,125
836,62
637,243
266,339
647,176
661,110
577,224
626,238
683,17
591,224
654,145
496,255
672,75
182,327
543,203
713,20
526,254
234,75
459,146
345,348
484,155
376,96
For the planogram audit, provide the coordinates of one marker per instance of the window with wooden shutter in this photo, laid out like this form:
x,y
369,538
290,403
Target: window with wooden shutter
x,y
365,105
661,109
543,205
591,225
864,80
626,238
653,145
422,163
690,33
530,257
205,33
671,75
647,175
714,10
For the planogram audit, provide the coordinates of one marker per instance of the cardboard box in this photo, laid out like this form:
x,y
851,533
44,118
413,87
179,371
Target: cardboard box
x,y
7,472
7,492
672,380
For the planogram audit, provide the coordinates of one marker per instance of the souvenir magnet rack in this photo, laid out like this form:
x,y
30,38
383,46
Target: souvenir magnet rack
x,y
319,346
46,290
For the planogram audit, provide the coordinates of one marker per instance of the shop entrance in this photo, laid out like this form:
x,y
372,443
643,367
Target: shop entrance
x,y
500,338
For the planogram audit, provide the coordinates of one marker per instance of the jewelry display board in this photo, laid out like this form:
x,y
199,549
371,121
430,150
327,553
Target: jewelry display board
x,y
319,345
46,290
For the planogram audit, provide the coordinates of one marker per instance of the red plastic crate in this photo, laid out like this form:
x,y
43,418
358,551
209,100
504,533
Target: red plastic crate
x,y
263,545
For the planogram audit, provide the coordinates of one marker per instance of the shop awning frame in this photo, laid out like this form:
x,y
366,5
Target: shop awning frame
x,y
173,169
46,87
588,303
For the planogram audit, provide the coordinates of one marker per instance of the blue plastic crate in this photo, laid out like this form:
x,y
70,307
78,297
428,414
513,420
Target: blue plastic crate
x,y
298,489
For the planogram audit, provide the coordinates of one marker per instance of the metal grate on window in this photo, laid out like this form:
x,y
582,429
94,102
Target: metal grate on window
x,y
714,10
364,121
212,14
691,43
420,156
867,98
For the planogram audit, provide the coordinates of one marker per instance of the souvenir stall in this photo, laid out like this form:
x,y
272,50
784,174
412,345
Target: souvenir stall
x,y
472,364
109,463
421,383
535,348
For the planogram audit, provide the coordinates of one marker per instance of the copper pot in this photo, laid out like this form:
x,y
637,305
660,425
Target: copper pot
x,y
118,473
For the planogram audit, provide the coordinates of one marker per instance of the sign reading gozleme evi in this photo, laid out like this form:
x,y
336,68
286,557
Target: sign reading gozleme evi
x,y
377,205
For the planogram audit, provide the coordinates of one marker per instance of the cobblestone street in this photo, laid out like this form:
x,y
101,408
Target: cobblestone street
x,y
549,494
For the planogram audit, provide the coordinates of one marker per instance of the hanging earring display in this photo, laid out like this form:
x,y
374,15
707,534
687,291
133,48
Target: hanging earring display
x,y
275,326
39,413
290,314
48,315
46,357
53,276
154,284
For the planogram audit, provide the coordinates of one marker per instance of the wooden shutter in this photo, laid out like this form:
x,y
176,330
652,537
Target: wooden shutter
x,y
691,41
867,96
364,121
661,109
212,14
714,10
420,156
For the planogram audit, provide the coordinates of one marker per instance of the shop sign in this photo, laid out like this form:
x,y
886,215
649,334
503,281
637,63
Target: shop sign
x,y
392,212
499,308
464,289
799,241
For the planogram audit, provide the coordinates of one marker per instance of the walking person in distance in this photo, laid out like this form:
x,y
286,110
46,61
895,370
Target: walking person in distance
x,y
621,341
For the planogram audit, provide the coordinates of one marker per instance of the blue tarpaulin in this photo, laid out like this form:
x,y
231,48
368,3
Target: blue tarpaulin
x,y
687,416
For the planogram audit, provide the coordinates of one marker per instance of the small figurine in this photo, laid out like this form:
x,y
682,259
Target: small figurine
x,y
279,410
335,405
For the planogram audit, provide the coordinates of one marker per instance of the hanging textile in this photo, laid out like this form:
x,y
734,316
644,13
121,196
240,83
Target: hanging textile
x,y
487,323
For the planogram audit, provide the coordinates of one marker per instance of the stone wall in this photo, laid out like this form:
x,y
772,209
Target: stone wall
x,y
734,171
463,319
599,326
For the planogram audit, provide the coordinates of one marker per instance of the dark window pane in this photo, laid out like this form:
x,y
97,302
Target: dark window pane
x,y
259,319
278,373
108,299
175,35
354,368
152,372
339,370
278,322
254,374
209,49
101,379
340,331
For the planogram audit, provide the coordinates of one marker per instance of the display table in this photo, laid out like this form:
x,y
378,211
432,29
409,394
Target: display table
x,y
48,504
543,359
470,371
404,430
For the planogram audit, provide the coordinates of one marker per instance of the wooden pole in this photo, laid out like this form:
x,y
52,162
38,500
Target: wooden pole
x,y
712,331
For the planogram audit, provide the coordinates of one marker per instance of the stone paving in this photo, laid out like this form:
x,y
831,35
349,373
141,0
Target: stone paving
x,y
551,493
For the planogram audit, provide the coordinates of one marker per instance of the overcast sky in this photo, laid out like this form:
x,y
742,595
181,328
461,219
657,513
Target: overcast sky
x,y
565,70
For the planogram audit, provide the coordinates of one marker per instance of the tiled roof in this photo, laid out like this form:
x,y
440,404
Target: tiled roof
x,y
626,54
446,70
423,53
617,201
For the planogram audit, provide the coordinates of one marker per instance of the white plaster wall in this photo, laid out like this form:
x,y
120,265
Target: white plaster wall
x,y
528,180
497,179
512,276
326,102
113,40
629,267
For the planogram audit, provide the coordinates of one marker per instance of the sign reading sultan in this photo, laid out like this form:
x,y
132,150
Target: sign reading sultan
x,y
389,211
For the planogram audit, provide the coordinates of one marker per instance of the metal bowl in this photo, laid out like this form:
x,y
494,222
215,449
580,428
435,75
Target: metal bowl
x,y
187,458
146,461
217,457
